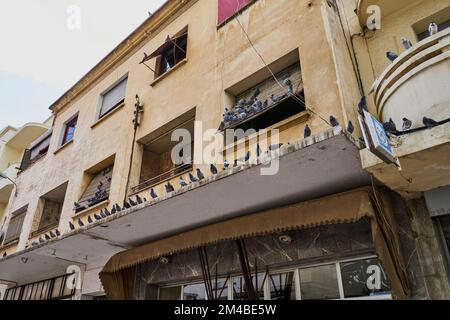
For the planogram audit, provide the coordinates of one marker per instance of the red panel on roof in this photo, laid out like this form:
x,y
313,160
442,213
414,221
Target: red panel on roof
x,y
227,8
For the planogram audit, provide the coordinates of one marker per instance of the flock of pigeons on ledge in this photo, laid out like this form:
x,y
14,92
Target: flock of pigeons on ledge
x,y
407,44
240,112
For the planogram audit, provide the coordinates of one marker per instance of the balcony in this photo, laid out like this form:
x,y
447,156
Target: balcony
x,y
416,84
7,186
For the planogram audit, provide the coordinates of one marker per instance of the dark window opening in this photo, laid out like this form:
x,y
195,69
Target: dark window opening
x,y
442,26
69,130
174,52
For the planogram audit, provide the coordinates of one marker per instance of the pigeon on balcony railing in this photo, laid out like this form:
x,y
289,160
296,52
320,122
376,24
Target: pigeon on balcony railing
x,y
52,234
362,105
47,237
429,123
407,124
391,56
200,174
433,28
182,182
307,132
126,205
226,164
153,194
97,217
80,223
57,233
258,150
406,43
72,227
90,220
139,199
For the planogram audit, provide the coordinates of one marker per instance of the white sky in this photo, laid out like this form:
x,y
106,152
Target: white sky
x,y
40,57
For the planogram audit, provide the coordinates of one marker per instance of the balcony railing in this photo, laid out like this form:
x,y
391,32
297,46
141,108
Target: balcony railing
x,y
163,177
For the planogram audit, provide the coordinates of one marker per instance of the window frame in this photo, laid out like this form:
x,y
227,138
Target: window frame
x,y
99,114
182,36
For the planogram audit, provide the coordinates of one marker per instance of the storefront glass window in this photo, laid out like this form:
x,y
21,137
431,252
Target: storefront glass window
x,y
171,293
240,292
194,292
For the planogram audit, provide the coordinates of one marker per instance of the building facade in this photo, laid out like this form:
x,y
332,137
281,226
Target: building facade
x,y
154,186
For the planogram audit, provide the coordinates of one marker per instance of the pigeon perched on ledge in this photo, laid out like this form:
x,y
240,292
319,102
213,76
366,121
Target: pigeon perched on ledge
x,y
182,182
169,188
350,127
213,169
390,126
200,174
334,122
407,124
433,29
407,44
429,123
307,132
192,178
72,227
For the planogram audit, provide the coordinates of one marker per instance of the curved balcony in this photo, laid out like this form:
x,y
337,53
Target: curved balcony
x,y
417,83
6,186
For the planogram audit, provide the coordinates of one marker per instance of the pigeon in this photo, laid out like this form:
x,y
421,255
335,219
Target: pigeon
x,y
42,240
350,127
183,183
391,56
169,188
52,234
118,208
407,124
307,132
72,227
235,163
275,99
78,207
407,44
47,237
213,169
80,223
132,202
226,164
57,233
390,126
90,219
275,147
246,158
153,194
430,123
126,205
256,94
113,210
362,105
200,174
192,178
258,150
107,213
433,29
97,217
139,199
334,122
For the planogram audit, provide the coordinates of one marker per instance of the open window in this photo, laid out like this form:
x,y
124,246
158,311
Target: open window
x,y
15,225
98,180
113,97
262,101
37,150
49,210
157,163
171,53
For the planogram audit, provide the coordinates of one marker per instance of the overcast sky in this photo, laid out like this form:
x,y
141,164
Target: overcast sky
x,y
44,50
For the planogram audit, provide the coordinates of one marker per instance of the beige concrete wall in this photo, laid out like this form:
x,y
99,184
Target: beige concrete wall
x,y
217,59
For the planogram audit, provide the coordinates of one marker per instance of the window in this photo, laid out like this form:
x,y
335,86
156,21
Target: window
x,y
15,225
423,35
171,53
49,210
441,18
113,98
228,8
319,283
282,286
98,188
157,163
69,130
